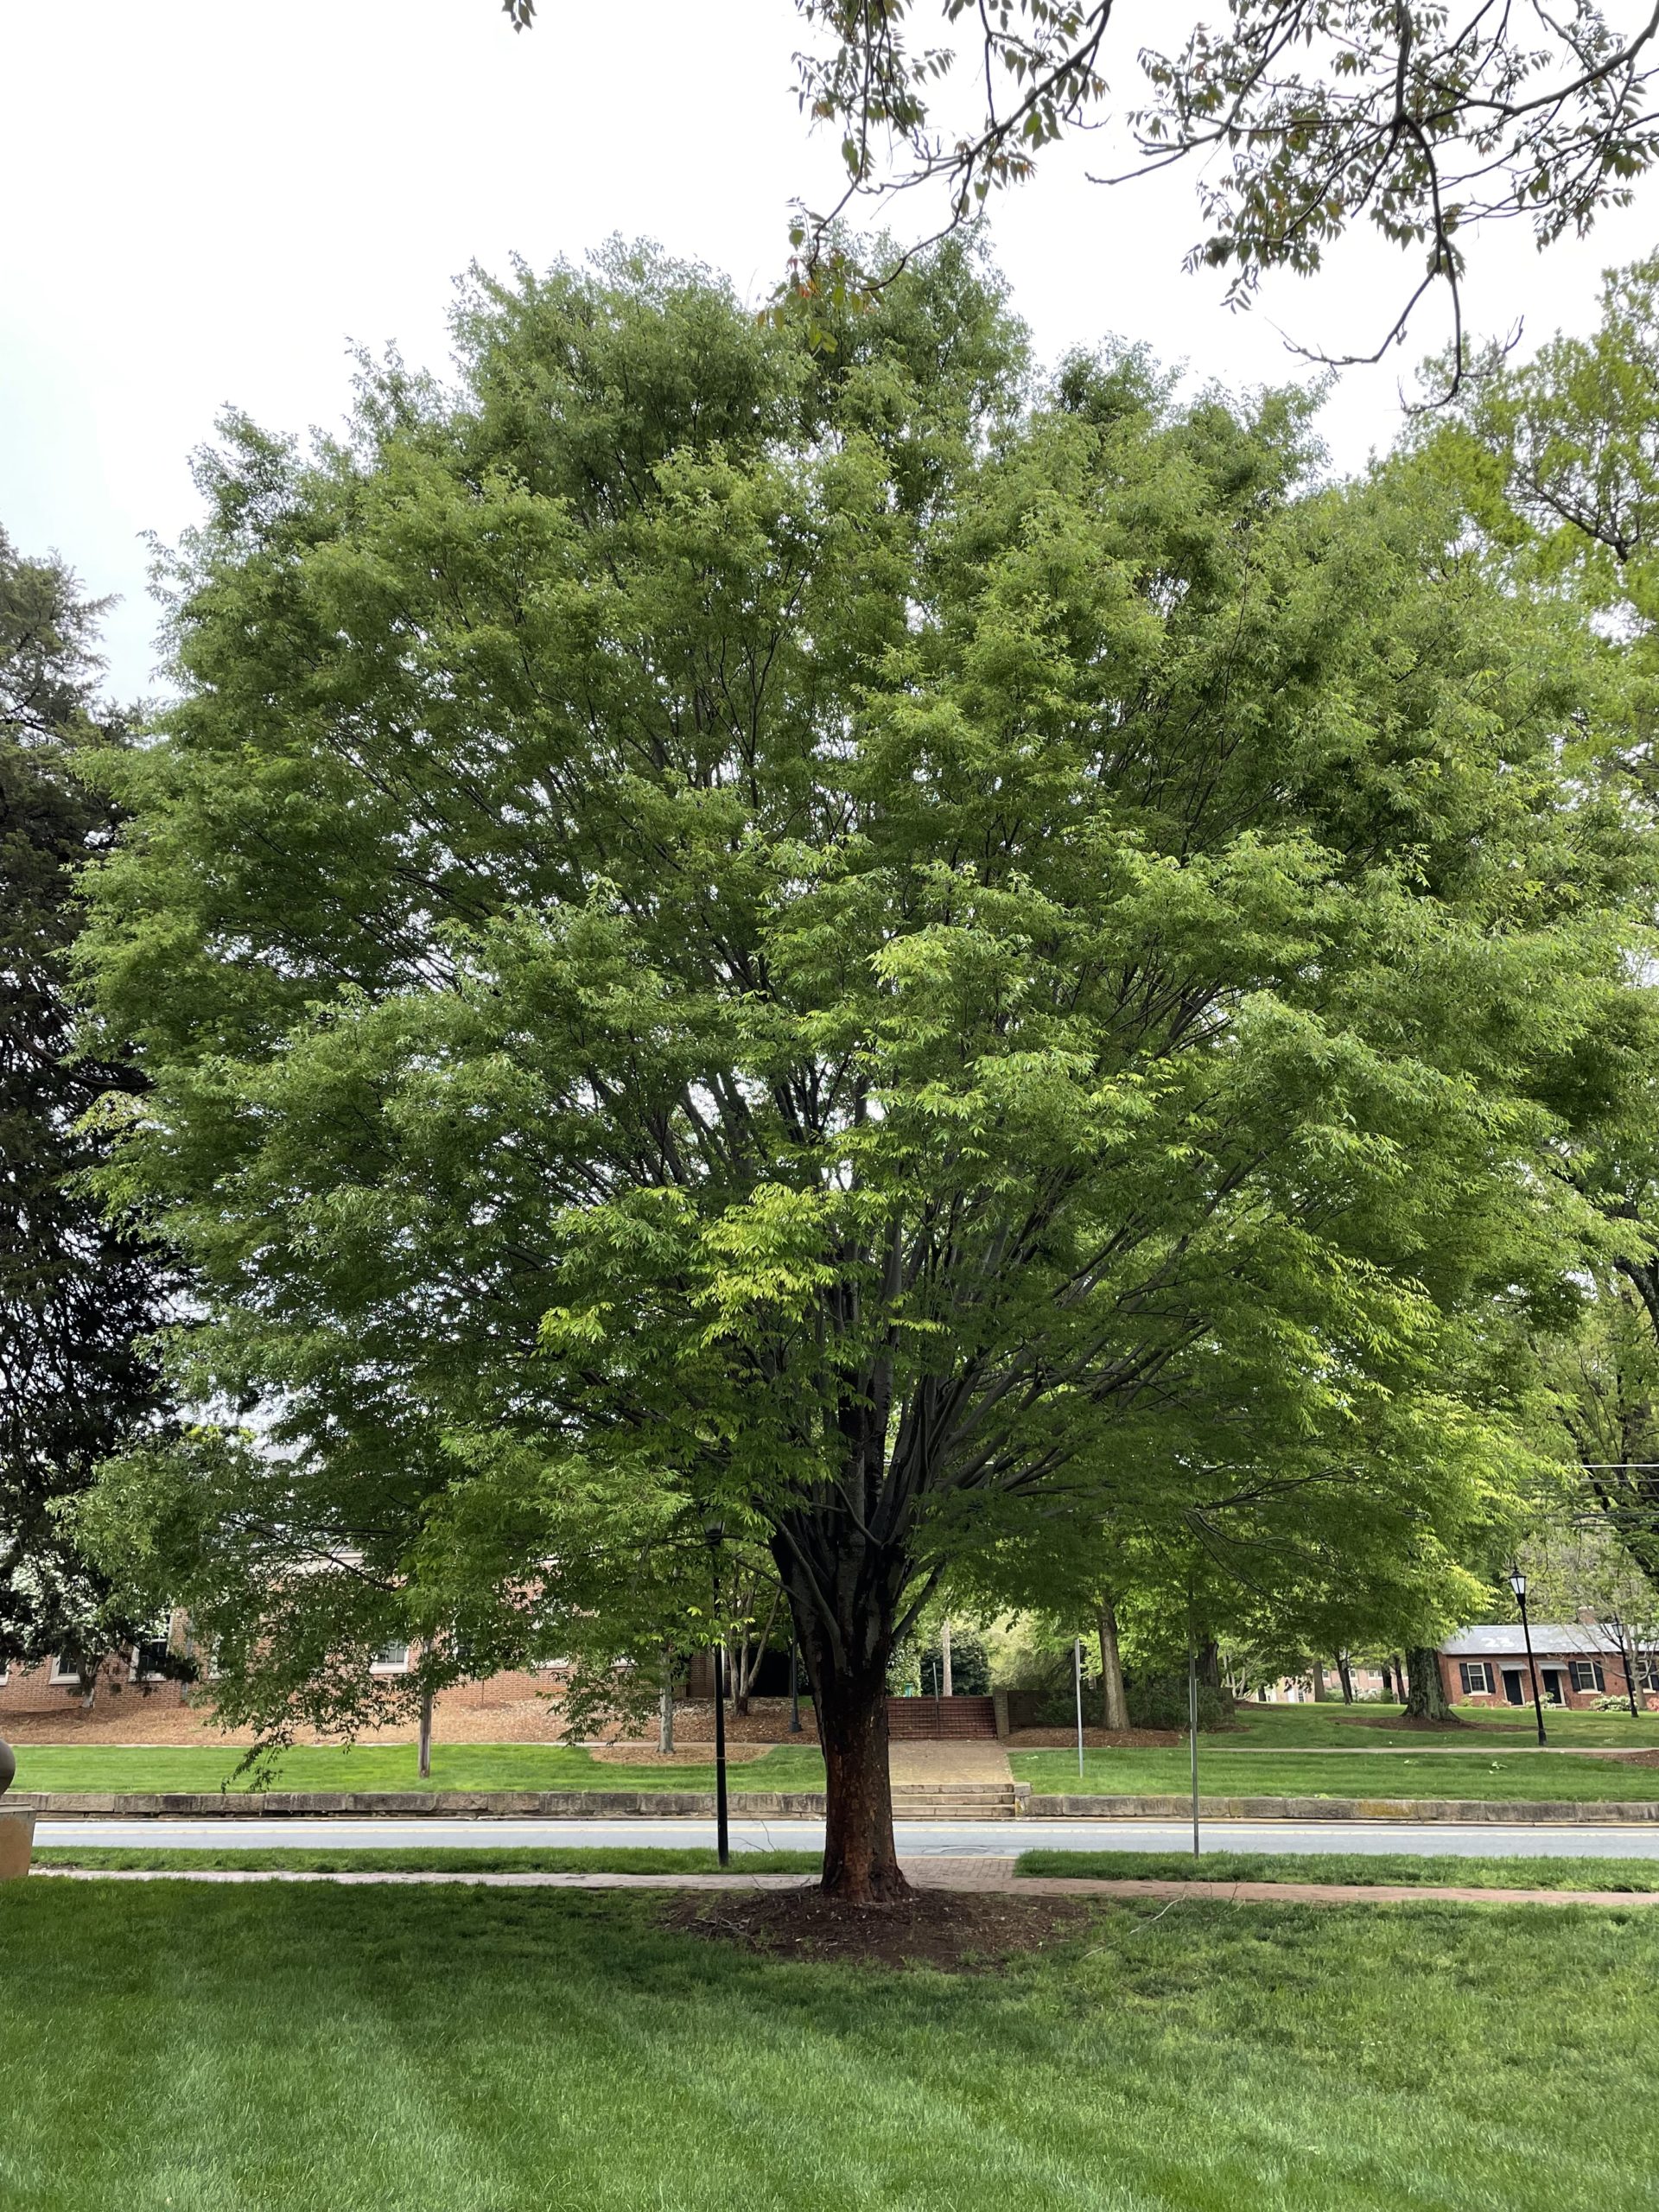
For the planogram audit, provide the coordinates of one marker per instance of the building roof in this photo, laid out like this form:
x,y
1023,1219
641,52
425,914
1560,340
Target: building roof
x,y
1503,1639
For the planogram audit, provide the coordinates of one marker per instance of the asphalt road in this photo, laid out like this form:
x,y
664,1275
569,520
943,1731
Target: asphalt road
x,y
917,1839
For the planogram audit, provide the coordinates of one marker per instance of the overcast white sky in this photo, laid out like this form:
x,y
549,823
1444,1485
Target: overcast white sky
x,y
210,202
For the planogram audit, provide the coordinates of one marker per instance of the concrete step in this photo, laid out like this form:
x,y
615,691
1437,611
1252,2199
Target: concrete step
x,y
960,1801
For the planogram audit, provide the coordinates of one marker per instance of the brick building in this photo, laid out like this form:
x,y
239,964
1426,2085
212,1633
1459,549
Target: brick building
x,y
1578,1663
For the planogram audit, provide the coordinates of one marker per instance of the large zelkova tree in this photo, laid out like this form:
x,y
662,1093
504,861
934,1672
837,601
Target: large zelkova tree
x,y
1302,119
79,1294
849,945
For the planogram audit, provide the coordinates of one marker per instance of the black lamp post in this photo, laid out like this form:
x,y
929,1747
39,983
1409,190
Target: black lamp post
x,y
1518,1584
715,1531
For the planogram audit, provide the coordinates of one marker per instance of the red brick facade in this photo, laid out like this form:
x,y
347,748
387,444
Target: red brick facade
x,y
1568,1682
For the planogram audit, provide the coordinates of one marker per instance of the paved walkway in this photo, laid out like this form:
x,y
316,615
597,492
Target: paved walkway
x,y
977,1874
970,1760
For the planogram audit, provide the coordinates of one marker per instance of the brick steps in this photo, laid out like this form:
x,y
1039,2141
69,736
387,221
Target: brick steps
x,y
948,1719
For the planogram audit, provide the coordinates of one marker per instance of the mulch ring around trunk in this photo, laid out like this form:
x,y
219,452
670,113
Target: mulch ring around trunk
x,y
955,1931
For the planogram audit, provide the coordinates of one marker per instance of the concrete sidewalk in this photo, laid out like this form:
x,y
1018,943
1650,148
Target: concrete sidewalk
x,y
983,1875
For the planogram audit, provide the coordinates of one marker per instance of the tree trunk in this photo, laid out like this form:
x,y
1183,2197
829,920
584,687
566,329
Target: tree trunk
x,y
848,1610
1209,1663
423,1761
861,1859
944,1657
1346,1676
1426,1693
1387,1681
1320,1693
1114,1707
665,1714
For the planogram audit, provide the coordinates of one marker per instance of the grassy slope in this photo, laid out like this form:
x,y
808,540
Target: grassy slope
x,y
1347,1867
1222,1773
169,2049
392,1766
526,1858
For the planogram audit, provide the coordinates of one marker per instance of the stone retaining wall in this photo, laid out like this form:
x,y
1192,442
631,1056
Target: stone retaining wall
x,y
612,1804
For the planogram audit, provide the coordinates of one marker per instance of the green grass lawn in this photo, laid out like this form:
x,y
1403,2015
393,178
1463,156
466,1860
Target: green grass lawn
x,y
392,1766
1223,1773
1293,1728
627,1859
1344,1866
166,2048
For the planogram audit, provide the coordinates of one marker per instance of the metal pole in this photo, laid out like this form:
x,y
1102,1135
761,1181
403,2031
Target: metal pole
x,y
1077,1670
1627,1660
1192,1721
1532,1668
723,1837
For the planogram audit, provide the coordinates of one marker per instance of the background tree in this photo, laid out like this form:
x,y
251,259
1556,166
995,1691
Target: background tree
x,y
1558,458
78,1293
838,941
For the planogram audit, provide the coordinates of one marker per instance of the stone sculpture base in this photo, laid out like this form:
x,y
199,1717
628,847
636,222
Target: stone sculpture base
x,y
17,1844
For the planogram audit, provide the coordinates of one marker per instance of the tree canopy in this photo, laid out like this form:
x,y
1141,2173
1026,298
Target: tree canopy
x,y
857,945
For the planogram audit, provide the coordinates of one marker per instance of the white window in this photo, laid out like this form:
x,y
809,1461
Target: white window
x,y
392,1659
5,1672
146,1664
1477,1677
62,1673
1587,1674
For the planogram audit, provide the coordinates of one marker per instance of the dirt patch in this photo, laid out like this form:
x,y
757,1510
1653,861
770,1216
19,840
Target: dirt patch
x,y
956,1931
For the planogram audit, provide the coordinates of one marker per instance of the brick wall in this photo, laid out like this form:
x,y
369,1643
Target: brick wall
x,y
31,1690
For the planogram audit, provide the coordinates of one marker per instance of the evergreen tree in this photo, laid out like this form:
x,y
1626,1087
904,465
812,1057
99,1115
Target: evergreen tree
x,y
78,1293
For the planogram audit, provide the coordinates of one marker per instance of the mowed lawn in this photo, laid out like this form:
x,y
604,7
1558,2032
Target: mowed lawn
x,y
166,2048
1224,1772
392,1767
1451,1869
1369,1728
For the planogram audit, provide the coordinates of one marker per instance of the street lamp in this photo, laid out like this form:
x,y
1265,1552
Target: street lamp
x,y
1518,1584
714,1530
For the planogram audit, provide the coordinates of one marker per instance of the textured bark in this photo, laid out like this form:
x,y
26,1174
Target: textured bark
x,y
666,1711
861,1859
1321,1692
949,1685
1426,1692
845,1596
1209,1663
1345,1676
1114,1705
